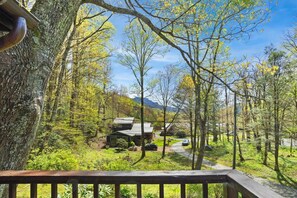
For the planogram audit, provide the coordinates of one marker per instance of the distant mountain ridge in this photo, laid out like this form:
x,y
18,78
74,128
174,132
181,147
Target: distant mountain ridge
x,y
152,104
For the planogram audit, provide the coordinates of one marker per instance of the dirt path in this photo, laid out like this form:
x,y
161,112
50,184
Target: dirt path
x,y
282,190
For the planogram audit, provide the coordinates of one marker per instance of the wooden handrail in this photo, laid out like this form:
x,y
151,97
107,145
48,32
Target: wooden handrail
x,y
15,36
233,181
112,177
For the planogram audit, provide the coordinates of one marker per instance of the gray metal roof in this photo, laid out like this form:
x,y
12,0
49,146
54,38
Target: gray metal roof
x,y
127,120
136,129
147,127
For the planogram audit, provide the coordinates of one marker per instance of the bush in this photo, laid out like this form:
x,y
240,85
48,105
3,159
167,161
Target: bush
x,y
181,134
56,160
131,144
125,193
122,143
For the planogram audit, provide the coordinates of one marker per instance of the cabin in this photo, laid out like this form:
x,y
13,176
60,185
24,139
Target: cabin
x,y
125,128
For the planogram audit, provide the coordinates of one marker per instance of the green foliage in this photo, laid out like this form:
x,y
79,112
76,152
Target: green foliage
x,y
126,193
150,195
104,190
56,160
122,143
131,144
85,191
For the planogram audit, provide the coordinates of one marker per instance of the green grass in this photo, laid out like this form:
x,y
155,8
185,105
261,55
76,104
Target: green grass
x,y
159,141
223,153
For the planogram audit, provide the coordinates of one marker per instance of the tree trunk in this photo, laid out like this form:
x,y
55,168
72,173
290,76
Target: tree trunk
x,y
165,132
142,118
276,126
201,146
60,77
239,149
24,73
227,114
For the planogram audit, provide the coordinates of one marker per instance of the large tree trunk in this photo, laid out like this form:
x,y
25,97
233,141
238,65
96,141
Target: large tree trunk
x,y
24,72
165,131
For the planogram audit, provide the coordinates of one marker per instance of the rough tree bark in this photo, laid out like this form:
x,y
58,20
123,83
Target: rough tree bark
x,y
24,72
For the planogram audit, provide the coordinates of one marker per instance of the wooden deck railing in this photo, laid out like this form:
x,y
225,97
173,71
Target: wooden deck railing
x,y
235,183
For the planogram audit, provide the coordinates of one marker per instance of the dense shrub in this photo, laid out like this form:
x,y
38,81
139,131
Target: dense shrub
x,y
131,144
126,193
122,143
56,160
181,134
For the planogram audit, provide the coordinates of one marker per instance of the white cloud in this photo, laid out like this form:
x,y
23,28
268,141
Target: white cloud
x,y
167,58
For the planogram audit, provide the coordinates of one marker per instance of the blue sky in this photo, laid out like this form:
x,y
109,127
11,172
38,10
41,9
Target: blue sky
x,y
283,17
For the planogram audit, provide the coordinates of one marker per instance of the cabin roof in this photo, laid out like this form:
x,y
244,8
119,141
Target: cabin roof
x,y
127,120
136,130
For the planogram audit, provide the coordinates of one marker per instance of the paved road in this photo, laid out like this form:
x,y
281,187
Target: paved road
x,y
284,191
177,147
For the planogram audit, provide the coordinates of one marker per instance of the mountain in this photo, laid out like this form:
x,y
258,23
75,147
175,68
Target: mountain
x,y
152,104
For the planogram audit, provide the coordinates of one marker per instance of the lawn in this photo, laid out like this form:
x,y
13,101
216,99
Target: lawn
x,y
223,152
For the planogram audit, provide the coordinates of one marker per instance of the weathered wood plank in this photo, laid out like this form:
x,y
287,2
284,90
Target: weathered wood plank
x,y
229,191
248,187
111,177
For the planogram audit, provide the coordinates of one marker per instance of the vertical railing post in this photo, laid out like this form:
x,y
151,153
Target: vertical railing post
x,y
54,190
117,191
75,190
183,190
161,190
12,190
139,194
33,190
205,190
95,190
229,192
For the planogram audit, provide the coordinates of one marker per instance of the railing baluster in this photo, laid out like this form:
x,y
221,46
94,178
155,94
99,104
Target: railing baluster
x,y
183,190
74,190
54,190
229,192
12,190
161,191
117,190
139,191
205,190
96,191
33,190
